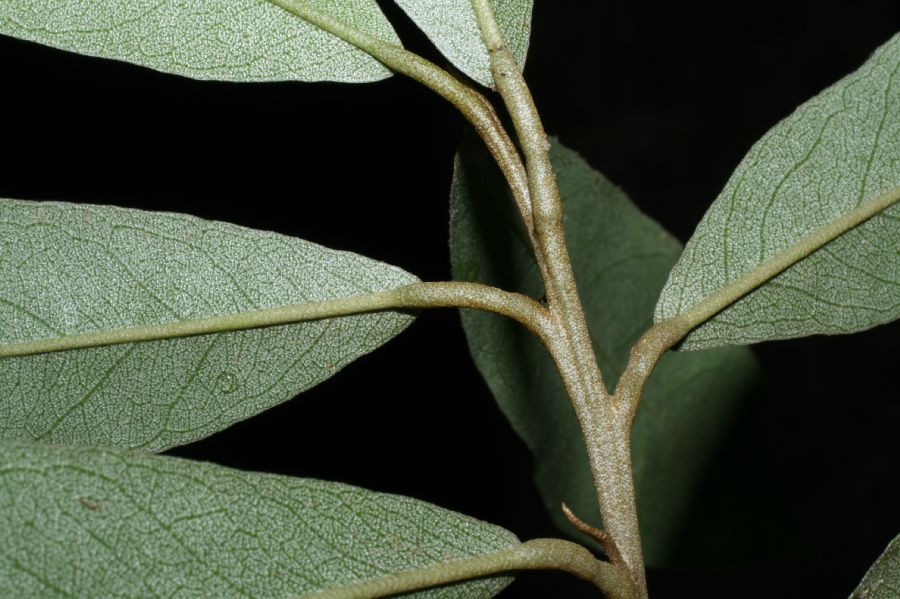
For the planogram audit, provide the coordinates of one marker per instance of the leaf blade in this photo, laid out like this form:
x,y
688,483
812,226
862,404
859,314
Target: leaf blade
x,y
621,259
882,580
90,522
835,153
68,269
241,40
452,27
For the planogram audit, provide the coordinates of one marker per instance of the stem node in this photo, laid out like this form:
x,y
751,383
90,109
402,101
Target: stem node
x,y
606,433
606,541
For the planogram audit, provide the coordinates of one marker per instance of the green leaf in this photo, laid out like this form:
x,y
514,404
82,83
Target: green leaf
x,y
836,152
882,581
235,40
68,269
621,259
451,26
81,522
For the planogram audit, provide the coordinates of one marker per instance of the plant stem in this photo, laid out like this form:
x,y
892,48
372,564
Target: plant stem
x,y
605,426
418,295
643,358
473,105
539,554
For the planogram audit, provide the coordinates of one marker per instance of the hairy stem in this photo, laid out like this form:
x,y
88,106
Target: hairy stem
x,y
603,423
418,295
539,554
473,105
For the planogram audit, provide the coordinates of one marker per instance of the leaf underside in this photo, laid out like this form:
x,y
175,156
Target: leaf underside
x,y
882,581
237,40
83,522
621,258
836,152
452,27
67,269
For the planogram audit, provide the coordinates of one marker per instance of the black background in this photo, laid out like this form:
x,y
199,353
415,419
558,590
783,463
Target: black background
x,y
664,100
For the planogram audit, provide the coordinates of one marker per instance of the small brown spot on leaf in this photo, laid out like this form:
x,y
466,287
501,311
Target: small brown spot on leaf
x,y
89,504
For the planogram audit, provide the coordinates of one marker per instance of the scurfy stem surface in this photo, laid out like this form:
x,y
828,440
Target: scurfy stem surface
x,y
605,423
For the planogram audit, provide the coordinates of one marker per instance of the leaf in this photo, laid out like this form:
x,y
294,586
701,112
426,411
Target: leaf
x,y
81,522
67,269
621,258
836,152
237,40
451,26
882,581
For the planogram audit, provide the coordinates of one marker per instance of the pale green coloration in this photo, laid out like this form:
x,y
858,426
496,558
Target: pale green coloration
x,y
233,40
836,152
621,259
83,522
68,269
406,297
882,581
536,554
451,26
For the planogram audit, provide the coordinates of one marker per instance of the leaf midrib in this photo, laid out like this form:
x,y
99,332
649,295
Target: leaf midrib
x,y
763,272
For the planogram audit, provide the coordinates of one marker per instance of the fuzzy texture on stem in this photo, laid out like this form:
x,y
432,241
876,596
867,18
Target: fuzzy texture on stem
x,y
418,295
609,547
538,554
473,105
604,424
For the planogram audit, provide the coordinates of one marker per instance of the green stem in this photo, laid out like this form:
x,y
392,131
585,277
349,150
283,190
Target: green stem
x,y
473,105
539,554
552,253
418,295
642,360
604,424
607,436
664,335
